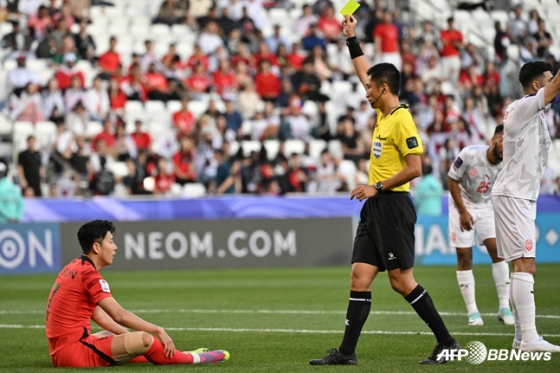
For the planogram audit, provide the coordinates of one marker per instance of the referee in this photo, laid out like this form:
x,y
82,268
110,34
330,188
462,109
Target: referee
x,y
385,236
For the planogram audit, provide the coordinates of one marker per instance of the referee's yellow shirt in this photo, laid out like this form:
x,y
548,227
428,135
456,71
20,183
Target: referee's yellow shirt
x,y
395,137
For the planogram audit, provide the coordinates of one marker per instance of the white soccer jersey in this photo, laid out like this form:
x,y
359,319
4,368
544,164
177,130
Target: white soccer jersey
x,y
526,143
475,175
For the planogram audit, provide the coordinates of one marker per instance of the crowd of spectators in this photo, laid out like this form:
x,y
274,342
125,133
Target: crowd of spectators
x,y
256,86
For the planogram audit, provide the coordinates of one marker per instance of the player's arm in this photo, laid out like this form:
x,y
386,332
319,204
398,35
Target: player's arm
x,y
361,64
131,321
106,322
465,218
552,89
412,170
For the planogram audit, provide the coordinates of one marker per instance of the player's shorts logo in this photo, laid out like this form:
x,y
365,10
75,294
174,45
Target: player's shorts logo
x,y
453,236
377,149
528,245
472,172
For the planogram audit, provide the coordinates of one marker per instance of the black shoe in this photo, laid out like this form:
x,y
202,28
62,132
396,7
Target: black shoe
x,y
433,358
335,357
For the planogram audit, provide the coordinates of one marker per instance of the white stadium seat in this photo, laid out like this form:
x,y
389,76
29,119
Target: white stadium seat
x,y
44,131
271,147
194,190
293,146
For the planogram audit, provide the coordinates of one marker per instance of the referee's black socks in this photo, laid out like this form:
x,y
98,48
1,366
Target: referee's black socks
x,y
422,303
356,315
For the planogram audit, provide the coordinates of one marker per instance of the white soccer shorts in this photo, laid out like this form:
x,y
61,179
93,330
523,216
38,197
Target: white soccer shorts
x,y
516,235
483,226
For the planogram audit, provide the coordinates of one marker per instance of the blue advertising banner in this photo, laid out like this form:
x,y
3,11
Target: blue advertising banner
x,y
29,248
432,241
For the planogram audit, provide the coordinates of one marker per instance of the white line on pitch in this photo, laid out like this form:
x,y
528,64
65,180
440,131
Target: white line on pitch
x,y
290,312
296,331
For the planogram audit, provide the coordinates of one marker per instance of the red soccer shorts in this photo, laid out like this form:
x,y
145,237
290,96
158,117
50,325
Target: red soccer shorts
x,y
88,352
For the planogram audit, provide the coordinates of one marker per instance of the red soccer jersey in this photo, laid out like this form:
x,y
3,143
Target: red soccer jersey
x,y
448,37
72,300
198,83
142,139
224,82
109,61
267,85
389,34
184,121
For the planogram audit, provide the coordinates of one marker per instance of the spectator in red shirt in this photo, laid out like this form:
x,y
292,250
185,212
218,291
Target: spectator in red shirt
x,y
163,179
183,162
243,54
329,25
117,98
142,139
386,36
407,55
267,84
490,76
67,71
109,61
224,80
197,58
198,82
183,120
451,41
264,54
155,83
106,134
296,57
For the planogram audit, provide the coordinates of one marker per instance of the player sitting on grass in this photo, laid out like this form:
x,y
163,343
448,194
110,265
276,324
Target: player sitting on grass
x,y
80,294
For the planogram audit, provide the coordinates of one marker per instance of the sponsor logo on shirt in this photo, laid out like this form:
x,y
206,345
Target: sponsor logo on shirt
x,y
104,286
528,245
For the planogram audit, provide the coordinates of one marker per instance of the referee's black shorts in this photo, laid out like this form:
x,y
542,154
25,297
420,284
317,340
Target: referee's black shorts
x,y
385,235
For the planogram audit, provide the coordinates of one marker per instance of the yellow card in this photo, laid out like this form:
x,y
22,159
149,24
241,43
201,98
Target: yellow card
x,y
350,7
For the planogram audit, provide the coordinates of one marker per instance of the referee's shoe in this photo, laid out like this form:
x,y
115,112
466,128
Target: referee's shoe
x,y
335,357
435,357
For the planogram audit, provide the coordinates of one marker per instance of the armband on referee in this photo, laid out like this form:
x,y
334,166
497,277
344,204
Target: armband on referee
x,y
354,47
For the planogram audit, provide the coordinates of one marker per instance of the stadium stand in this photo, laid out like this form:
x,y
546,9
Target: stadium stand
x,y
308,106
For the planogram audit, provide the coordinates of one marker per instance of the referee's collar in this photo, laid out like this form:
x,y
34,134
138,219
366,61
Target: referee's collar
x,y
401,106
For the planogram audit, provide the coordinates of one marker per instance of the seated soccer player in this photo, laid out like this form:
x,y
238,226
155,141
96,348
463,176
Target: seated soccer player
x,y
80,294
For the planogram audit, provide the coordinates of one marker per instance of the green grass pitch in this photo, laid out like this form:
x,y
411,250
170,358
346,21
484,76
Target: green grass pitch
x,y
275,320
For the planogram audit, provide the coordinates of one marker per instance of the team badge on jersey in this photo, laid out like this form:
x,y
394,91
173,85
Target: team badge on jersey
x,y
528,245
104,286
377,149
472,172
412,142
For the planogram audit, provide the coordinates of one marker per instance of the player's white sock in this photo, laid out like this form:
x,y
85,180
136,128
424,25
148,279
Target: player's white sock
x,y
466,284
500,272
518,336
524,299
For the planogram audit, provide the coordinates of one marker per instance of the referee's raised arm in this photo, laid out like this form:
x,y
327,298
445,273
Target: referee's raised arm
x,y
360,62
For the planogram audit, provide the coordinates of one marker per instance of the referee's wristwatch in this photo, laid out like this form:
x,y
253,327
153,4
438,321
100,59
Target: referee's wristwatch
x,y
379,187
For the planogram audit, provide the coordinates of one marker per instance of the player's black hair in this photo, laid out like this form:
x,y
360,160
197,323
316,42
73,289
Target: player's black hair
x,y
499,129
386,73
531,71
92,232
